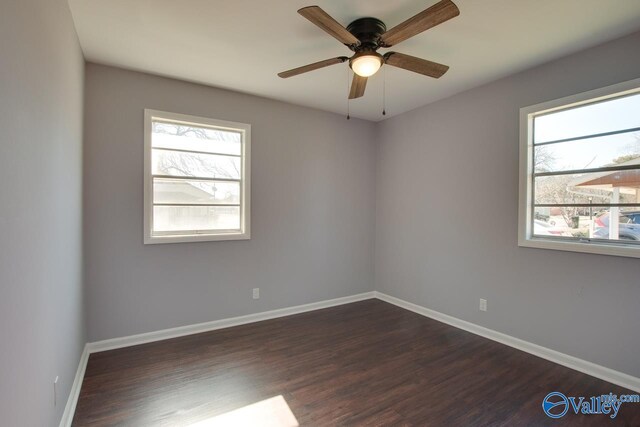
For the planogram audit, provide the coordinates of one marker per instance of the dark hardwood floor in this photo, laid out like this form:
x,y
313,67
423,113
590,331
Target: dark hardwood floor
x,y
367,364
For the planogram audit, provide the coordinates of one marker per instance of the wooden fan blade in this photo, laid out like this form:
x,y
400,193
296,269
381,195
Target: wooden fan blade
x,y
311,67
429,18
358,85
417,65
323,20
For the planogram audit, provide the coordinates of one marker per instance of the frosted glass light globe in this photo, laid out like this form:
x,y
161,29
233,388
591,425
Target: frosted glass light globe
x,y
366,65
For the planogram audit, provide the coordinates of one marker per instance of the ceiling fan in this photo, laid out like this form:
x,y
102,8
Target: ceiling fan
x,y
365,36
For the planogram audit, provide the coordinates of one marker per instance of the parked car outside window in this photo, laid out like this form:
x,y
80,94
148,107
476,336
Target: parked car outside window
x,y
629,226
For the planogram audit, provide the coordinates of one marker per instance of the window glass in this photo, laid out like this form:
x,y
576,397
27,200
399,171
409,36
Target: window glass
x,y
197,185
598,117
586,189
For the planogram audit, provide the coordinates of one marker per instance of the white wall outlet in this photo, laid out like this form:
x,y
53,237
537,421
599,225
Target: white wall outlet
x,y
483,304
55,391
256,293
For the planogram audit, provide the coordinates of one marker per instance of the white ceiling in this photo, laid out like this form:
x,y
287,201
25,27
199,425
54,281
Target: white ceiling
x,y
242,44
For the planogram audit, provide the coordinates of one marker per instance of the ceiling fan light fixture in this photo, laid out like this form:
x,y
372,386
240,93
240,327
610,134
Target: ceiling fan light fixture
x,y
366,64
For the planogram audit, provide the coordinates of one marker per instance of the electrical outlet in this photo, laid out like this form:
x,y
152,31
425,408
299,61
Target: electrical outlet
x,y
55,391
256,293
483,304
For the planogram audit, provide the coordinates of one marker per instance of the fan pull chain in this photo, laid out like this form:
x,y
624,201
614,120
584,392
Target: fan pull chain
x,y
384,91
348,79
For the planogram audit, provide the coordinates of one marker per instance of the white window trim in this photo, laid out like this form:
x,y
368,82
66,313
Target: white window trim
x,y
245,201
525,232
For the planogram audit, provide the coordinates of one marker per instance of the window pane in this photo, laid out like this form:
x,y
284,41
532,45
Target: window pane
x,y
600,117
195,192
601,186
185,137
192,164
586,223
589,153
553,222
192,218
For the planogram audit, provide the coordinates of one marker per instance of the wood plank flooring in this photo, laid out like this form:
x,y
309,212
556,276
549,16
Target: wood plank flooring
x,y
363,364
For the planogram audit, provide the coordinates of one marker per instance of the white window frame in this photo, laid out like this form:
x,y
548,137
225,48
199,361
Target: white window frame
x,y
525,222
245,184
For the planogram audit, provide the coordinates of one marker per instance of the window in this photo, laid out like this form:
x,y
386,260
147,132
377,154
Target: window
x,y
196,185
580,172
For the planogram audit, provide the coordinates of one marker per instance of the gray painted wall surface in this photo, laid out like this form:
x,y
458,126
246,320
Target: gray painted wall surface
x,y
313,209
447,210
41,102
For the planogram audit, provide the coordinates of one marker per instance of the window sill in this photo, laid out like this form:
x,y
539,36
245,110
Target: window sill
x,y
590,248
191,238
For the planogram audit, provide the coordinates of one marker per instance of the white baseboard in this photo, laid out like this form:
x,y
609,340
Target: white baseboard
x,y
74,394
598,371
164,334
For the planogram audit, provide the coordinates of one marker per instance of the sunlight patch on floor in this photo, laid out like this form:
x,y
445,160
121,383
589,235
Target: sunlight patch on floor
x,y
272,412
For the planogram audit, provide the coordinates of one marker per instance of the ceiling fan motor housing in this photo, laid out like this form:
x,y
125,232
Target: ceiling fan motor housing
x,y
368,31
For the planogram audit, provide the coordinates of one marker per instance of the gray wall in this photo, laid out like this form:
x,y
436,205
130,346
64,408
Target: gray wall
x,y
313,209
41,327
447,209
